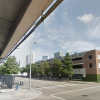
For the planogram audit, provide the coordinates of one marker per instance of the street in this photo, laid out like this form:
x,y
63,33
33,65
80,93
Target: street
x,y
59,90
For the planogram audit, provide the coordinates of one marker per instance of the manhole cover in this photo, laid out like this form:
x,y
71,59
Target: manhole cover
x,y
84,95
12,93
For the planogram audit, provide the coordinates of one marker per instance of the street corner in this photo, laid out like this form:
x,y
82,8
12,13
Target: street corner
x,y
33,95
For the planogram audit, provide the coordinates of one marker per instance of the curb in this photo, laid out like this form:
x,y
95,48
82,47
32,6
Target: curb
x,y
6,90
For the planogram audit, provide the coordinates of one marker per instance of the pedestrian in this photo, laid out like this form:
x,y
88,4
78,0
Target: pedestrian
x,y
17,87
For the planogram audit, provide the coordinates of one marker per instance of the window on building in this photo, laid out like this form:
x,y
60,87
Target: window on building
x,y
90,65
75,59
90,56
77,66
98,65
98,56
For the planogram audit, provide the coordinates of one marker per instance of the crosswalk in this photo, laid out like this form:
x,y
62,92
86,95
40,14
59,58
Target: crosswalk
x,y
58,86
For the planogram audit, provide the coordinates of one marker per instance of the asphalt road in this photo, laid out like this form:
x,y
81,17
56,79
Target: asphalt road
x,y
59,90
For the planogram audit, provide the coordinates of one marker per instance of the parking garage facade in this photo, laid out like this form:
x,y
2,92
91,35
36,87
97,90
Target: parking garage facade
x,y
86,65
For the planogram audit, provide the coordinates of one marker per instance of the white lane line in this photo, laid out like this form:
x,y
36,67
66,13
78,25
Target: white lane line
x,y
57,97
56,86
53,95
37,85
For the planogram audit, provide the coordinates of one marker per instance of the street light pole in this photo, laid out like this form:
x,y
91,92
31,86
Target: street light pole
x,y
30,64
30,67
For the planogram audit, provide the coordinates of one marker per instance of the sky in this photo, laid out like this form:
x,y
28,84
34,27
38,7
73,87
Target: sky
x,y
74,26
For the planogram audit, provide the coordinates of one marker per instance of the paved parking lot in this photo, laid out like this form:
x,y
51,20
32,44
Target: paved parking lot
x,y
57,90
52,90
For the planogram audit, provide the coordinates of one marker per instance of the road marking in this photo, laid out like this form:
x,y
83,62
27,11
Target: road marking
x,y
57,97
53,95
37,85
32,84
56,86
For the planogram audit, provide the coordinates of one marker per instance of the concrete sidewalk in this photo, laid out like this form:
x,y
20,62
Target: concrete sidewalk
x,y
64,80
20,94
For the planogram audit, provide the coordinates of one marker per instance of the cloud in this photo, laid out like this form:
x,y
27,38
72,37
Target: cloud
x,y
93,30
41,52
65,15
86,18
49,20
78,46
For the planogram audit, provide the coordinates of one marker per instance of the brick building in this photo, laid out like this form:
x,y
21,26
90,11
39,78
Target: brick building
x,y
86,65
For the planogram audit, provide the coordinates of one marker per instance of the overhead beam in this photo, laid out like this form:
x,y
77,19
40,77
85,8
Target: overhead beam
x,y
38,23
19,17
2,60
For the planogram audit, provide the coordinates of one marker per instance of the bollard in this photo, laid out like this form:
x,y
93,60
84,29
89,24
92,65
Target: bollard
x,y
0,83
17,87
4,83
19,83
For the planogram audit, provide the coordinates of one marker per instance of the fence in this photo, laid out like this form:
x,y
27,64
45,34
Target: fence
x,y
7,79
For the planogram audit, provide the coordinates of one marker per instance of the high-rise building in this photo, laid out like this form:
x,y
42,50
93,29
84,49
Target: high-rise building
x,y
44,58
32,59
58,54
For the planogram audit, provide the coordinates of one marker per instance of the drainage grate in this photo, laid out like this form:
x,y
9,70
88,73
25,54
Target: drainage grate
x,y
84,95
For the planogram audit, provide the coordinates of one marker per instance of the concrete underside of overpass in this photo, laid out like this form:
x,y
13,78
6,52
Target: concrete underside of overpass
x,y
16,18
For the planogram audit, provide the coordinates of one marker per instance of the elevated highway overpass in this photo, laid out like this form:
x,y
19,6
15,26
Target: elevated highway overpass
x,y
17,17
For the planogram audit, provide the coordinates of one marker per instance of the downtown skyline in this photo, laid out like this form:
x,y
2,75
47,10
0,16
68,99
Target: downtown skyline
x,y
71,27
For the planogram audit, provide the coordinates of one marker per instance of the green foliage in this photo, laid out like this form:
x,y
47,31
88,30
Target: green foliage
x,y
98,77
56,66
34,68
46,67
91,77
10,67
40,69
68,64
24,69
2,69
27,69
21,69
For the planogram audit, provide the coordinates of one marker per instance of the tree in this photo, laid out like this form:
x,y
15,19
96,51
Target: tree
x,y
56,65
23,69
46,67
68,64
11,66
27,68
2,69
40,69
34,68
